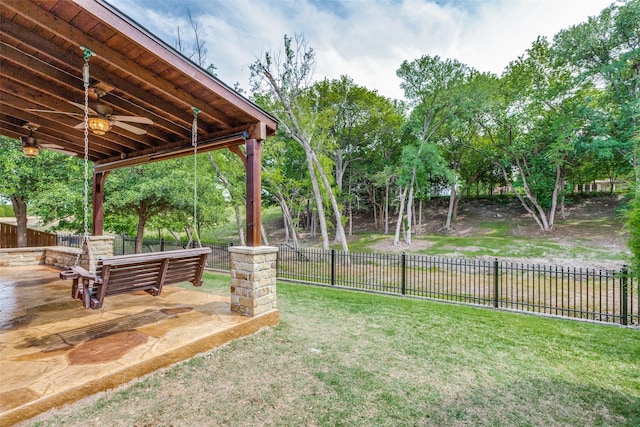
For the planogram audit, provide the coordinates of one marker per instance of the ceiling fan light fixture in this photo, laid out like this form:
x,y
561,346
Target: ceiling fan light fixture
x,y
99,126
29,146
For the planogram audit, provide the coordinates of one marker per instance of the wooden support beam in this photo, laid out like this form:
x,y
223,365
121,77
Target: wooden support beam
x,y
236,149
98,199
254,188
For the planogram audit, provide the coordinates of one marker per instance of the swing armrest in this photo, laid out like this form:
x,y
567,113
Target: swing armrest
x,y
84,273
77,272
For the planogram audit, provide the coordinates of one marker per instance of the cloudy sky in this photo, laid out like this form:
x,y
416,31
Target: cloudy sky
x,y
364,39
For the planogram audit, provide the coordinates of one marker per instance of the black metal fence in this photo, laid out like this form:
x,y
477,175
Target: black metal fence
x,y
218,260
600,295
68,240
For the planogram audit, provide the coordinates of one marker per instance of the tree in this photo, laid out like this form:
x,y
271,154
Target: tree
x,y
427,83
29,181
534,118
280,181
232,181
605,52
281,80
160,192
354,124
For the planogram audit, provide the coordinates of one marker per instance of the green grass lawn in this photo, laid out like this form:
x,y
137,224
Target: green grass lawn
x,y
357,359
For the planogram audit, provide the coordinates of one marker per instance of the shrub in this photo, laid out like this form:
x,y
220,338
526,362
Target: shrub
x,y
6,211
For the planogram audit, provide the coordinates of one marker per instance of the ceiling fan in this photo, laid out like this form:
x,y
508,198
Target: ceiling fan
x,y
101,117
31,146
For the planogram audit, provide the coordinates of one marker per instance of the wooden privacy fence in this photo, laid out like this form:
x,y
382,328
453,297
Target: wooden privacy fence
x,y
35,238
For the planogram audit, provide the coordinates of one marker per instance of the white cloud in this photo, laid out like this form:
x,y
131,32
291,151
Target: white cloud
x,y
364,39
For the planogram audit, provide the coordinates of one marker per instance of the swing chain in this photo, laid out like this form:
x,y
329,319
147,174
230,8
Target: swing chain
x,y
87,81
194,142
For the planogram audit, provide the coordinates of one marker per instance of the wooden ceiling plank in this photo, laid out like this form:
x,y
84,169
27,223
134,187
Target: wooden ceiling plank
x,y
19,118
238,132
104,53
74,84
171,151
54,53
31,98
16,82
14,106
179,62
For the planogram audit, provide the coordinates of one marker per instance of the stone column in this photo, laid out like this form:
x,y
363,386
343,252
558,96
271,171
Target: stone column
x,y
253,279
101,246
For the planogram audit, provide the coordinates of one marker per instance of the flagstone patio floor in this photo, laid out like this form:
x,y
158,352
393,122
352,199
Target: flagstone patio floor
x,y
53,351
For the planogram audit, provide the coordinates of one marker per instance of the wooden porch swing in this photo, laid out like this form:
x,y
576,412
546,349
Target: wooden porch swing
x,y
147,272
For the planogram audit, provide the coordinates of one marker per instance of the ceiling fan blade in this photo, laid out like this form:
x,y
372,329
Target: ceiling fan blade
x,y
57,149
81,106
132,119
128,127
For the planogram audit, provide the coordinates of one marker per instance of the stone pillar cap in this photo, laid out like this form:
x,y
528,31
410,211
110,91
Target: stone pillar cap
x,y
253,250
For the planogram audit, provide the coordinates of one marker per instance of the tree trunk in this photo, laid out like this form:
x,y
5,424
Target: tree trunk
x,y
533,207
396,240
20,211
407,238
299,136
563,214
557,189
142,220
290,231
386,209
318,196
455,208
374,207
263,233
415,219
340,168
453,196
236,209
419,228
340,236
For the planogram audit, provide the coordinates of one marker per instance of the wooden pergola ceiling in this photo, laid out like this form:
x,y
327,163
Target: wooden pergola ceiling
x,y
41,62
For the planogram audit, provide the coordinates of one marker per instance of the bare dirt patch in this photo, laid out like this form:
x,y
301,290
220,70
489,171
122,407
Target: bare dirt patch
x,y
386,245
590,222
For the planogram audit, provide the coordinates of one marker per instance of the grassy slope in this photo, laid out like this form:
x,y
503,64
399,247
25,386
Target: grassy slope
x,y
490,227
345,358
497,240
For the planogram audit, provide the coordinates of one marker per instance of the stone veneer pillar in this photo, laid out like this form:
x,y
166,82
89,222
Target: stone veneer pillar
x,y
253,279
101,246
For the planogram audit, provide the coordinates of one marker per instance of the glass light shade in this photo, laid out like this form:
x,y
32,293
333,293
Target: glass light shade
x,y
99,126
29,146
30,150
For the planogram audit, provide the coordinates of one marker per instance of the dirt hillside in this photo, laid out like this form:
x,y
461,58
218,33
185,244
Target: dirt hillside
x,y
590,221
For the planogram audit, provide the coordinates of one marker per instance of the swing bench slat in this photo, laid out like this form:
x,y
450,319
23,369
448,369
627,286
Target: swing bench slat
x,y
139,272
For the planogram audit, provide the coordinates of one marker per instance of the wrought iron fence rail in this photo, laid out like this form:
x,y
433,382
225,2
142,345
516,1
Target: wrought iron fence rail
x,y
601,295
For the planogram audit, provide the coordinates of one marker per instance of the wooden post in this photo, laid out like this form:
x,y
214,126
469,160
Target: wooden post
x,y
254,198
98,199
